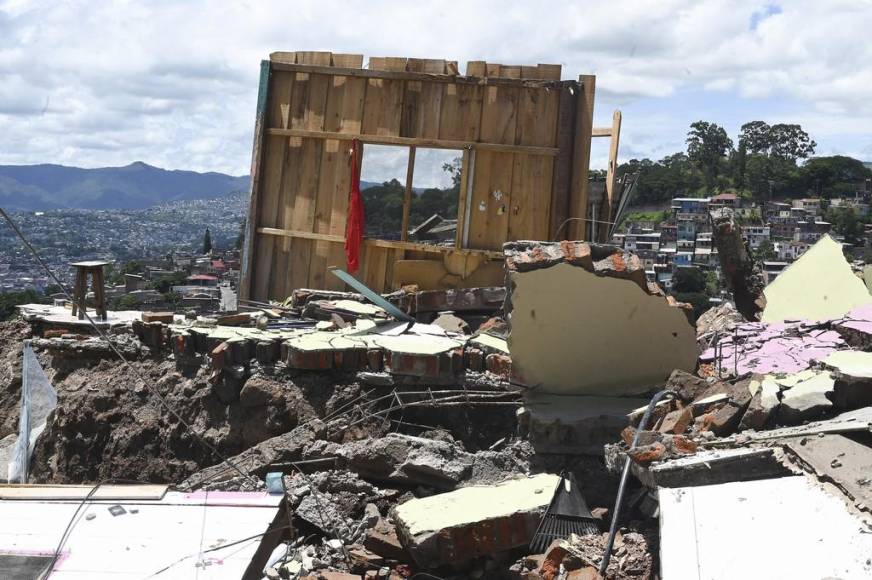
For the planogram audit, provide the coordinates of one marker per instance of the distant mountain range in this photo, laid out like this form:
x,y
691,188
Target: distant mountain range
x,y
134,186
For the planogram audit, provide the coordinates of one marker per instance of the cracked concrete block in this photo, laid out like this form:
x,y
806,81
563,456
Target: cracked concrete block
x,y
820,285
454,527
764,403
807,399
584,321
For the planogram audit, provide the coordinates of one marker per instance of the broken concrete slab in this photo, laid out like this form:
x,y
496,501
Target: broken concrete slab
x,y
583,321
757,529
712,466
850,363
858,420
818,286
763,405
842,461
454,527
807,399
408,460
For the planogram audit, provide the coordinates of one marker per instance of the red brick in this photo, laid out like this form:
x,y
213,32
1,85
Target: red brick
x,y
676,421
474,359
647,454
499,364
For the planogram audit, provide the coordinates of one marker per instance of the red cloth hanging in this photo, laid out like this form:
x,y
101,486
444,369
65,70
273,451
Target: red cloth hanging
x,y
355,223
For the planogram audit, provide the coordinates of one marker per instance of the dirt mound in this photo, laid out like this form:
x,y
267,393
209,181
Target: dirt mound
x,y
12,336
110,425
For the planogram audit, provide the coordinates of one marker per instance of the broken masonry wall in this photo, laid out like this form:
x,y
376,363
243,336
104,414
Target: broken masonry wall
x,y
741,272
584,321
818,286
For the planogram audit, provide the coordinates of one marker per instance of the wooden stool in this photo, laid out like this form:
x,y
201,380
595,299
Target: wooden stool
x,y
95,268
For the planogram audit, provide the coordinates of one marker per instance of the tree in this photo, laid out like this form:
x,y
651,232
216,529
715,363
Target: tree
x,y
790,142
707,147
9,300
207,242
845,223
836,174
765,251
688,279
755,137
165,283
783,140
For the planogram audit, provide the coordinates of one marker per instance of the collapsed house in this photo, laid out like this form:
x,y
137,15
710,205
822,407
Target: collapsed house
x,y
483,410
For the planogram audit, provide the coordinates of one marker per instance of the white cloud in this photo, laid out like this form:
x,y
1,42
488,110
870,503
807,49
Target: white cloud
x,y
174,84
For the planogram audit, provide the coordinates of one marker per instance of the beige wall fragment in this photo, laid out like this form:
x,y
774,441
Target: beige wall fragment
x,y
818,286
576,332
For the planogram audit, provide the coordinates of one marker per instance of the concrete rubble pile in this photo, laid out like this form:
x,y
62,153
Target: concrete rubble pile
x,y
432,443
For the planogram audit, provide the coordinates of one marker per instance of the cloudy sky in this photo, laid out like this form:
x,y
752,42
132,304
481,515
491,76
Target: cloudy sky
x,y
97,83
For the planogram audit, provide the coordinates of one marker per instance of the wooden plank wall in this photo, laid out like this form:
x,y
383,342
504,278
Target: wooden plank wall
x,y
302,182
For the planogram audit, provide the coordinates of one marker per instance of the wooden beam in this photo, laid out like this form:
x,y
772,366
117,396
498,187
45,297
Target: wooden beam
x,y
611,177
417,247
577,228
254,194
415,141
388,244
407,197
601,132
420,76
301,234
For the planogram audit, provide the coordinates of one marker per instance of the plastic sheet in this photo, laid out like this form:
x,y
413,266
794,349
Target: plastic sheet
x,y
38,400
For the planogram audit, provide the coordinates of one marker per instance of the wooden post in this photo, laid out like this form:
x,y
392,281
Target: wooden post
x,y
407,198
99,292
250,226
577,229
608,212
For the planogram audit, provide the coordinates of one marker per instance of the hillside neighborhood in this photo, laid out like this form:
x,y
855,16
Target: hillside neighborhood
x,y
288,313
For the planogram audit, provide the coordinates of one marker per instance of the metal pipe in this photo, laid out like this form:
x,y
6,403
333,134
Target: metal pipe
x,y
613,528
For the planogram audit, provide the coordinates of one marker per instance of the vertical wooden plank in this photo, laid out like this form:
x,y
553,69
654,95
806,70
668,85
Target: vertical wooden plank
x,y
466,170
550,72
460,112
349,120
319,58
333,185
305,205
383,107
476,68
581,157
532,174
274,164
492,184
422,105
562,164
257,150
611,177
407,195
531,197
347,60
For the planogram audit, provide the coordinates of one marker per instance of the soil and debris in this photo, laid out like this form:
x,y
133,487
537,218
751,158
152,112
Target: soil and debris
x,y
370,422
